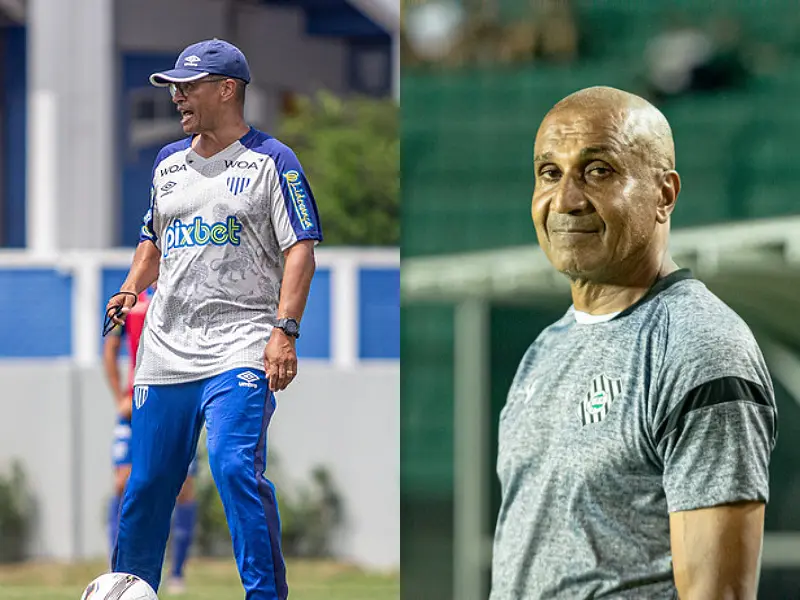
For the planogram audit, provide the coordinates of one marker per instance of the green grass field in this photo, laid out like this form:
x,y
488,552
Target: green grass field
x,y
206,580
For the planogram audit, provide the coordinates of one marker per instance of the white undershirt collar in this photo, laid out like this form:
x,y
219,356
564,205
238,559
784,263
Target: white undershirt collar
x,y
585,318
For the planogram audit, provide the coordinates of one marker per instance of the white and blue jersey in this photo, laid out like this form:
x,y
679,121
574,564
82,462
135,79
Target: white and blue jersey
x,y
222,224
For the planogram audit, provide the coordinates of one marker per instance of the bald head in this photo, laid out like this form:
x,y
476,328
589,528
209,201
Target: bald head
x,y
605,184
641,125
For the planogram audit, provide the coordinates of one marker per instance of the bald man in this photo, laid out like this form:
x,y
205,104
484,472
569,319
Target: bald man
x,y
635,442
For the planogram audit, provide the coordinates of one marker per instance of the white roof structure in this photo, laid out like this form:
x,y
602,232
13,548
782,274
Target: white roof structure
x,y
766,251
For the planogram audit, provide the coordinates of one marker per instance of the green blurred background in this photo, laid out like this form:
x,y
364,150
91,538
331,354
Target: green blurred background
x,y
477,79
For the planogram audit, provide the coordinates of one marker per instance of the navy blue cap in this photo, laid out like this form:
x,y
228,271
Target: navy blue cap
x,y
210,57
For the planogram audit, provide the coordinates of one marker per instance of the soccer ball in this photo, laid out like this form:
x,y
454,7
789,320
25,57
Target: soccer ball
x,y
118,586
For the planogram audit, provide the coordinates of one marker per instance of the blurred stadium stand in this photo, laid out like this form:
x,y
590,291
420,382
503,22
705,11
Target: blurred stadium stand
x,y
79,128
476,291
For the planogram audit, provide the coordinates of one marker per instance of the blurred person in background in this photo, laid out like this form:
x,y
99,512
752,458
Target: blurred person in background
x,y
688,58
727,67
432,32
442,32
558,24
230,236
635,442
549,33
672,55
185,513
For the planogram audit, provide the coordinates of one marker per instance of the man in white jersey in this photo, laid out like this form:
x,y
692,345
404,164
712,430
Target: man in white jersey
x,y
230,236
635,442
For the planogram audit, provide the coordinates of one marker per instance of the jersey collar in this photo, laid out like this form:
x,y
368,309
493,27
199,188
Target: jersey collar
x,y
659,286
243,141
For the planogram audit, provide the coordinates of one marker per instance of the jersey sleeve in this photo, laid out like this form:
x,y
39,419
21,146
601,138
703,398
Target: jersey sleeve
x,y
148,229
293,208
720,427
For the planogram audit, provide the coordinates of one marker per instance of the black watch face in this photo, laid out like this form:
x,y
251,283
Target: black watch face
x,y
290,326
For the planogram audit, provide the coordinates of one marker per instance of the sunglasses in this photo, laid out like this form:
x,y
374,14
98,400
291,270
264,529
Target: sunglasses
x,y
115,311
188,87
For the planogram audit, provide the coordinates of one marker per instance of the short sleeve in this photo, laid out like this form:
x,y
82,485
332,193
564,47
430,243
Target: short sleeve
x,y
717,436
292,205
147,232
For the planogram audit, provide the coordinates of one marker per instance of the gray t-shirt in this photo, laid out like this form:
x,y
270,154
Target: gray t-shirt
x,y
610,426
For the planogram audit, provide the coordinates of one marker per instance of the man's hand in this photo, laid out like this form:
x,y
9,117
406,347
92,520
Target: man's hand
x,y
280,360
121,301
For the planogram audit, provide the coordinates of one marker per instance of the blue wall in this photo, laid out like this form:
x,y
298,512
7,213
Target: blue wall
x,y
315,331
379,313
35,313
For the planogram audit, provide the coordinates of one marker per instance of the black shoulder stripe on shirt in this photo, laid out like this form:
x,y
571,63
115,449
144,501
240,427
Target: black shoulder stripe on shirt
x,y
716,391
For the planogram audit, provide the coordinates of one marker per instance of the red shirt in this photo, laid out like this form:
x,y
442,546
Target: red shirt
x,y
134,324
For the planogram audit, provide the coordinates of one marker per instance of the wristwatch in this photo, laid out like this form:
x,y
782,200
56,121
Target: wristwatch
x,y
290,327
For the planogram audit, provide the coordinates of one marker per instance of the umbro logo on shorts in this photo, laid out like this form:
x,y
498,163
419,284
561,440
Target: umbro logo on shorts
x,y
248,379
140,395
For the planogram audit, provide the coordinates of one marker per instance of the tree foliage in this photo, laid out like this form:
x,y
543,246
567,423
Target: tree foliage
x,y
350,151
16,514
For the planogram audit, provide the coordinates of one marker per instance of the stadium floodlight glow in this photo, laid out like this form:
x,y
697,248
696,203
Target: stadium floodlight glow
x,y
432,28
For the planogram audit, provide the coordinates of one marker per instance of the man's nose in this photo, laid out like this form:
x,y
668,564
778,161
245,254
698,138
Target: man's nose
x,y
569,197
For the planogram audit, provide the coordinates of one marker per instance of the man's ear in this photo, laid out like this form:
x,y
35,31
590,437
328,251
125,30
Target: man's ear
x,y
228,90
670,188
